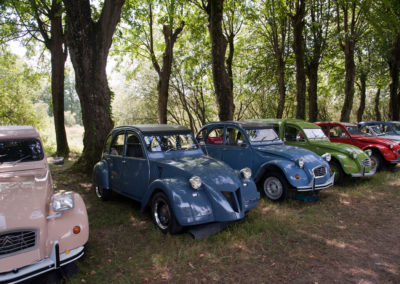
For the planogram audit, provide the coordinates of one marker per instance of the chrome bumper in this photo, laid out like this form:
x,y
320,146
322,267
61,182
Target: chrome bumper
x,y
363,173
312,186
395,161
55,261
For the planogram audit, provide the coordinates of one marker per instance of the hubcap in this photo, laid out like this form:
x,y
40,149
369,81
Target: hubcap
x,y
273,188
161,214
374,164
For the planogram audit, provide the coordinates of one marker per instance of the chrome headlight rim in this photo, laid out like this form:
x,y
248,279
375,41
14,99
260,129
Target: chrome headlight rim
x,y
300,163
355,155
369,152
327,157
391,147
246,173
195,182
62,201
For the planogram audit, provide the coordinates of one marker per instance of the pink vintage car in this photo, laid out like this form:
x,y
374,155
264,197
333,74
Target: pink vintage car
x,y
39,230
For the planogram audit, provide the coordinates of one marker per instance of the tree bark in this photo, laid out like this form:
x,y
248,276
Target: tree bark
x,y
312,74
363,88
298,48
377,98
89,43
221,79
349,80
281,83
394,66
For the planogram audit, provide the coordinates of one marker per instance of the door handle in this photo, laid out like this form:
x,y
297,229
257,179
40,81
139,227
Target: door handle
x,y
124,161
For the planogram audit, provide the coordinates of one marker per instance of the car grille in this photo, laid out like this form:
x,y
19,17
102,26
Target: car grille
x,y
366,162
13,242
320,171
230,197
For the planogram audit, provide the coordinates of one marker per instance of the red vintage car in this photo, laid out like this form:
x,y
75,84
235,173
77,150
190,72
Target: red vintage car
x,y
383,151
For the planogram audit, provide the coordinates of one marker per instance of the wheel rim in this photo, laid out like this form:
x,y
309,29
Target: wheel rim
x,y
99,192
162,214
374,164
273,188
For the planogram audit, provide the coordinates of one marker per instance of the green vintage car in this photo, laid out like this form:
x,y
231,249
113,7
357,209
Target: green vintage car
x,y
346,159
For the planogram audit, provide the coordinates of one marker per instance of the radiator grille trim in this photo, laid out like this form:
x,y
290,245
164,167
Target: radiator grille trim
x,y
17,241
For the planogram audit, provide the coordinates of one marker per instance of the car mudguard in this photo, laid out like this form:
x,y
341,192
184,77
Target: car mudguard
x,y
101,175
190,206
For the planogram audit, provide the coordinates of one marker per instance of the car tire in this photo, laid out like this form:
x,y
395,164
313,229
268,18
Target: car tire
x,y
162,214
337,169
376,162
103,193
275,186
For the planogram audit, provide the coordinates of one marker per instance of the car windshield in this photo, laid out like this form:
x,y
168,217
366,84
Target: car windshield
x,y
353,130
315,133
396,126
22,150
262,134
172,142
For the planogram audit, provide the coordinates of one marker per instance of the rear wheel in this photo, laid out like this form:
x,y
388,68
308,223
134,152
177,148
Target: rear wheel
x,y
376,162
162,214
337,170
275,186
103,193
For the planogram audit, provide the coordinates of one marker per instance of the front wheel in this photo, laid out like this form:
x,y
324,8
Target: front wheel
x,y
376,162
162,214
337,170
275,186
103,193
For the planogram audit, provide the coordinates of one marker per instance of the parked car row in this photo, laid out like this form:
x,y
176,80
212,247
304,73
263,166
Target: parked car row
x,y
184,181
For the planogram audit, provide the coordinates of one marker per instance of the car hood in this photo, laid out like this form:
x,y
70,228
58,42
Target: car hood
x,y
290,152
337,147
211,171
375,140
395,138
24,198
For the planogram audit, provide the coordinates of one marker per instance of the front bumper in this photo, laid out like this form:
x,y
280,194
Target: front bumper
x,y
55,261
363,173
312,186
395,161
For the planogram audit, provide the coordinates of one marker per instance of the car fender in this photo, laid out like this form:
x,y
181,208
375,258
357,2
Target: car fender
x,y
60,226
386,153
101,175
189,206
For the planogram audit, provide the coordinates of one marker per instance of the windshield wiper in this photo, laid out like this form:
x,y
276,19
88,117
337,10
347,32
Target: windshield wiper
x,y
20,160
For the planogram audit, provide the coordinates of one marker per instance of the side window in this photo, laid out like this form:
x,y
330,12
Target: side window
x,y
324,129
117,146
291,133
233,135
215,137
106,149
276,128
133,146
337,132
202,134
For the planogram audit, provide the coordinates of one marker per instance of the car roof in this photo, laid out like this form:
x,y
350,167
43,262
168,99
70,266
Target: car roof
x,y
18,132
243,123
342,123
372,122
155,128
300,122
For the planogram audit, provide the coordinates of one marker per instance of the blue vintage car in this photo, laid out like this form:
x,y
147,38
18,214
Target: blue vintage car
x,y
381,128
276,167
163,167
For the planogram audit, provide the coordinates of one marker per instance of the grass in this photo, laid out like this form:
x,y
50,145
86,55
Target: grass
x,y
350,235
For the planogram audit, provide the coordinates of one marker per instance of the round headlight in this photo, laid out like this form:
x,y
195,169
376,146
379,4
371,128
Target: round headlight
x,y
195,182
391,146
300,162
327,157
369,152
354,155
246,173
62,201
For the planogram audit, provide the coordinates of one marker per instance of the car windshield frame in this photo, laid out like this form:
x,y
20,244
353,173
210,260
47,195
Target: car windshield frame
x,y
25,150
314,132
357,131
168,142
395,126
262,140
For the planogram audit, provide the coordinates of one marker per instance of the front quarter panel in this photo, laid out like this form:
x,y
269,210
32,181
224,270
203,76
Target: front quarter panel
x,y
101,174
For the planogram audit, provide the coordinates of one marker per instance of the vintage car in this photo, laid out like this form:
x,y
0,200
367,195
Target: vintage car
x,y
384,151
381,129
163,167
276,167
346,159
40,230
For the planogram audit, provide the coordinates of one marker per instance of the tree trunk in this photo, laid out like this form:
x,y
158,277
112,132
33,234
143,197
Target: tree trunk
x,y
377,112
298,48
361,108
394,65
312,73
58,57
349,81
89,44
281,84
222,83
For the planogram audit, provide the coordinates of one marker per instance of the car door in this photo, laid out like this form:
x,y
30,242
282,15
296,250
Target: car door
x,y
294,136
115,160
215,142
236,150
135,167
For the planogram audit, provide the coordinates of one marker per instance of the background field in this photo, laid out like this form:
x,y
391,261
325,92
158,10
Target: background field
x,y
350,235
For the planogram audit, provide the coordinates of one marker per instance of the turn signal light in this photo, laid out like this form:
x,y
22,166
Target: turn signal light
x,y
76,230
297,176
